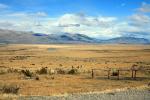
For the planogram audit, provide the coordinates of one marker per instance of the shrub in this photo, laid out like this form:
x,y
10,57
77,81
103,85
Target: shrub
x,y
11,70
2,72
27,73
52,78
43,70
37,78
10,89
72,71
148,84
115,72
60,65
51,72
147,73
16,71
60,71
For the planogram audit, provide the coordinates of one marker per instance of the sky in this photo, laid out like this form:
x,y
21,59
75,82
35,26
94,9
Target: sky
x,y
95,18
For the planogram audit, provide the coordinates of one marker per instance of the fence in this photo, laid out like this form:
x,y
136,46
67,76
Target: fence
x,y
117,72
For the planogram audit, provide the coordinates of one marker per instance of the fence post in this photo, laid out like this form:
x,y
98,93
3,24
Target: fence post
x,y
92,73
132,73
135,74
109,74
118,74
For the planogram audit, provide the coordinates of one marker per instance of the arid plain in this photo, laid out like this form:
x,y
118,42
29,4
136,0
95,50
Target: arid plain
x,y
64,57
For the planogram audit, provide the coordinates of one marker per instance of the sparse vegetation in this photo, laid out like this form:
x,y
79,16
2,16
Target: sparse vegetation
x,y
12,70
147,73
72,71
114,72
13,89
37,78
2,72
43,70
52,77
60,77
27,73
60,71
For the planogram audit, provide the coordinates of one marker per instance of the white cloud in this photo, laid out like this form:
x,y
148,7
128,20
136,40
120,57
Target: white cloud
x,y
77,19
23,21
5,24
105,27
145,8
26,14
89,25
139,19
41,14
95,26
138,24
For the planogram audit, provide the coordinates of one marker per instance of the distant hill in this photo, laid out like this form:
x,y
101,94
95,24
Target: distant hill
x,y
71,38
126,40
9,36
39,34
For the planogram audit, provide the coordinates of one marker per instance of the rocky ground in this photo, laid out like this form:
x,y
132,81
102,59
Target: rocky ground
x,y
121,94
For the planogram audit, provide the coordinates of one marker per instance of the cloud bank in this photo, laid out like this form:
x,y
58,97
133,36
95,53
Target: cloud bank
x,y
137,24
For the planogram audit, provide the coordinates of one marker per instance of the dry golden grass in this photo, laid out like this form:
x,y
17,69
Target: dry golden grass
x,y
64,56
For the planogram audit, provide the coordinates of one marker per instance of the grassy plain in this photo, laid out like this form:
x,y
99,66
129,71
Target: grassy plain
x,y
84,57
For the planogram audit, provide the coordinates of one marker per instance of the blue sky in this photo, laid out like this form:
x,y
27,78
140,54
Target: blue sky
x,y
96,18
91,7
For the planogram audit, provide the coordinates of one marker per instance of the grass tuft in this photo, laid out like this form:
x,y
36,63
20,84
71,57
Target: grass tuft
x,y
27,73
10,89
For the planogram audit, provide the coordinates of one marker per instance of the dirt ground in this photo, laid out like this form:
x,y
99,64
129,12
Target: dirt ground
x,y
84,57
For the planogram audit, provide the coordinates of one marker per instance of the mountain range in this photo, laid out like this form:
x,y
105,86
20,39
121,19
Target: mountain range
x,y
15,37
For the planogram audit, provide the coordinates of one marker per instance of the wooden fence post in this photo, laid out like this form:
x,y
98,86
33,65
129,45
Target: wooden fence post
x,y
109,74
135,74
92,73
132,73
118,74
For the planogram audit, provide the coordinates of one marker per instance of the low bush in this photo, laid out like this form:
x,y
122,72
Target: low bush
x,y
114,72
37,78
52,78
10,89
60,71
11,70
27,73
2,72
147,73
72,71
43,70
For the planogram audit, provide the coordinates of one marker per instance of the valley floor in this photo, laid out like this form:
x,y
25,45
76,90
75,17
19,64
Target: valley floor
x,y
64,57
